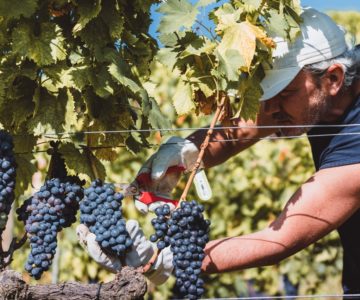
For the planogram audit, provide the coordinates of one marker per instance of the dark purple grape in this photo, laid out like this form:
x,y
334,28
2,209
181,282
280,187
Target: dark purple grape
x,y
46,213
161,245
153,238
7,176
101,212
186,232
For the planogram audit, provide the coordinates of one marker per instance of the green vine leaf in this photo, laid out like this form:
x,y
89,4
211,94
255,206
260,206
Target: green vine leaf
x,y
35,47
106,154
24,172
24,143
112,15
133,145
17,8
57,45
230,63
226,16
80,76
87,11
72,122
177,14
120,71
278,23
78,164
182,99
50,116
252,5
96,36
250,96
156,118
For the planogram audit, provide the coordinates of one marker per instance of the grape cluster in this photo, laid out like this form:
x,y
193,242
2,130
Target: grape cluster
x,y
101,212
46,213
161,225
7,176
186,232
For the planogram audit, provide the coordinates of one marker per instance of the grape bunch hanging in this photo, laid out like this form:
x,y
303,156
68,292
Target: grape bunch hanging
x,y
7,177
48,211
186,232
45,214
101,212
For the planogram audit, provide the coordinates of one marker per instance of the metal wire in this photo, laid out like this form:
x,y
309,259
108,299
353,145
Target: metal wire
x,y
59,136
200,128
292,136
353,296
272,137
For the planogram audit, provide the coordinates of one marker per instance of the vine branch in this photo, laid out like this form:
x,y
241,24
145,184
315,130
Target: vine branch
x,y
90,158
128,284
7,256
203,146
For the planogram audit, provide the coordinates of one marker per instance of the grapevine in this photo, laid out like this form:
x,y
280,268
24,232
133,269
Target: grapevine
x,y
50,210
47,212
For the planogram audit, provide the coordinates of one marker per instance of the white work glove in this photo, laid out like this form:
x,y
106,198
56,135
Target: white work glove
x,y
140,254
175,152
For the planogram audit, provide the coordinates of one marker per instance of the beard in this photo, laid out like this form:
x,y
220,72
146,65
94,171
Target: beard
x,y
311,115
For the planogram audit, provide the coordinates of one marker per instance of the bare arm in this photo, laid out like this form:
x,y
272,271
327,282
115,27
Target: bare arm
x,y
218,152
320,205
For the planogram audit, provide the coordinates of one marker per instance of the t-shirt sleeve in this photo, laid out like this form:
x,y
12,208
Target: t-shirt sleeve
x,y
344,149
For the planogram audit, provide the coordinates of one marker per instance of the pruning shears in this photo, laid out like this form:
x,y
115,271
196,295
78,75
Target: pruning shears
x,y
143,180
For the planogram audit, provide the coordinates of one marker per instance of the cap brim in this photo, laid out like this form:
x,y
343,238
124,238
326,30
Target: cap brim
x,y
276,80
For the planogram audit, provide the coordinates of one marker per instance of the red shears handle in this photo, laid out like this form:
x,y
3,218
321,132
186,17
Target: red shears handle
x,y
148,198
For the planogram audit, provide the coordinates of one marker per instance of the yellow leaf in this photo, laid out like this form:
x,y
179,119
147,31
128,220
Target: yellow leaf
x,y
107,154
239,37
261,35
182,98
242,37
227,16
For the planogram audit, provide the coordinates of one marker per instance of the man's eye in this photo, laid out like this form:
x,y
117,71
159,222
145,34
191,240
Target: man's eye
x,y
285,94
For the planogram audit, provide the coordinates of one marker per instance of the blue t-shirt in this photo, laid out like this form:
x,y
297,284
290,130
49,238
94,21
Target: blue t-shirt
x,y
334,151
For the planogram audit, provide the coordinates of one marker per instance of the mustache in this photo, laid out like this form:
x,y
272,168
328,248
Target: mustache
x,y
281,116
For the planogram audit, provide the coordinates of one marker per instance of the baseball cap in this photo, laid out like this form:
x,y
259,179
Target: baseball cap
x,y
320,39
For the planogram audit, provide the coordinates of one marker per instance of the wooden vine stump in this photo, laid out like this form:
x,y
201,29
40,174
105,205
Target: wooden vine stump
x,y
128,284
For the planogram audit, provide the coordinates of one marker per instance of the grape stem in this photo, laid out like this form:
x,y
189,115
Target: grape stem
x,y
203,146
94,170
6,256
150,263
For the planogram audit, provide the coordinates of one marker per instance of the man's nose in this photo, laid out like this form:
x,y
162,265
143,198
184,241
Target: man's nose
x,y
271,106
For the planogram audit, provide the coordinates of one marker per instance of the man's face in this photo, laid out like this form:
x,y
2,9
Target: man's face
x,y
302,102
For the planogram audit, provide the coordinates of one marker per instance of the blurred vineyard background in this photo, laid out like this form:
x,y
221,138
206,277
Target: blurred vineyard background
x,y
248,192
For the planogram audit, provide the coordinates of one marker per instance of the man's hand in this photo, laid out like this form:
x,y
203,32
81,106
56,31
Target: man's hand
x,y
176,152
140,254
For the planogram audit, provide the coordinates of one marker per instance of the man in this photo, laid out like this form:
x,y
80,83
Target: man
x,y
313,85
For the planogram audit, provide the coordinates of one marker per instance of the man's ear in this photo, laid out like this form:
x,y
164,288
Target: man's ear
x,y
334,79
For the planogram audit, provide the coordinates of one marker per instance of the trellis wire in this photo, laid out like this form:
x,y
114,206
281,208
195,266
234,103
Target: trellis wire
x,y
201,128
272,137
352,296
